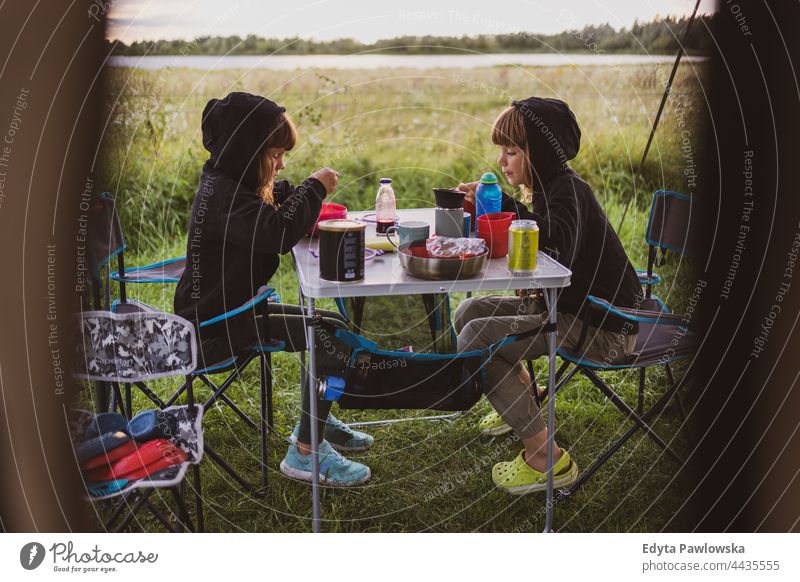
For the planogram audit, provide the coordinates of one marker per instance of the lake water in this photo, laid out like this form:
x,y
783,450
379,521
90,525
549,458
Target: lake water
x,y
379,61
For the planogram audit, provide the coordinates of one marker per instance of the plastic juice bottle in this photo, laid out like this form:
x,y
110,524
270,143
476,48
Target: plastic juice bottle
x,y
385,207
488,196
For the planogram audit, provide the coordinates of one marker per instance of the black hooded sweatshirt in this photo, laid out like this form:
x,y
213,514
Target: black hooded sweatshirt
x,y
234,237
573,229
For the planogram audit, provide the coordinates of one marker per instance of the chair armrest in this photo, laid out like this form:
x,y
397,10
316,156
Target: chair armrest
x,y
139,274
263,294
635,315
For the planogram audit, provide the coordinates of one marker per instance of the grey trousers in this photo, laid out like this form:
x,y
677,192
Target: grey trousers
x,y
482,321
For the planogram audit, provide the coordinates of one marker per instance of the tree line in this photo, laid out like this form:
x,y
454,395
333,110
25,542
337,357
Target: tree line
x,y
661,35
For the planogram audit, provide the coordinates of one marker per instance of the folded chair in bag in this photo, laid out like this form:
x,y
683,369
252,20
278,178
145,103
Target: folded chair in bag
x,y
662,338
136,348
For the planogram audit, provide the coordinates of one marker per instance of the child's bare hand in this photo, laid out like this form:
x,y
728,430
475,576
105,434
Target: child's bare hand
x,y
328,177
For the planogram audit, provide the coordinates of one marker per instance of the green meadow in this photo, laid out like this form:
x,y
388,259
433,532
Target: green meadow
x,y
423,129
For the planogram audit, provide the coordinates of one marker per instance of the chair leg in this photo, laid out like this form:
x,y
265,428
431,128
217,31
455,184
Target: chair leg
x,y
640,399
219,394
625,409
679,400
198,498
142,499
265,380
561,369
270,408
249,487
102,396
184,519
117,400
611,451
174,398
162,519
128,402
150,394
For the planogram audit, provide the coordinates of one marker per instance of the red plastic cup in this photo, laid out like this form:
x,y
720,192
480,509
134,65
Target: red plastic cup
x,y
493,228
328,212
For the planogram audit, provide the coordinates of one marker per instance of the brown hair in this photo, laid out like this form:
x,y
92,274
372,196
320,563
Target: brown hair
x,y
509,130
284,135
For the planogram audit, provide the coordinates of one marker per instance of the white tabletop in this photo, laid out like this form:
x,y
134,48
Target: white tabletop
x,y
384,276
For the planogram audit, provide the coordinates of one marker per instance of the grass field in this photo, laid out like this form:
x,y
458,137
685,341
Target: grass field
x,y
423,129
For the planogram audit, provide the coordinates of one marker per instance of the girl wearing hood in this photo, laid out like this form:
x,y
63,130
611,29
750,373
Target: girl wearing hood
x,y
536,138
242,219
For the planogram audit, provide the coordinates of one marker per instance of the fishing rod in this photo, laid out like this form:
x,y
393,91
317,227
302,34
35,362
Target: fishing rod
x,y
664,97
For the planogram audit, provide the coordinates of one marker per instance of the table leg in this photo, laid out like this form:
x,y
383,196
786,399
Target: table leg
x,y
301,301
551,295
311,337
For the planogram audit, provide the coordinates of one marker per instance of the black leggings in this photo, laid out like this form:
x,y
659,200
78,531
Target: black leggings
x,y
286,324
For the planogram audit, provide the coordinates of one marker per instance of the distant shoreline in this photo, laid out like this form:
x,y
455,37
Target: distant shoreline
x,y
383,61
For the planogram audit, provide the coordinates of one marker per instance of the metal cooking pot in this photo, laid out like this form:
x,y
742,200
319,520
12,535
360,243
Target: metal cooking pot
x,y
426,268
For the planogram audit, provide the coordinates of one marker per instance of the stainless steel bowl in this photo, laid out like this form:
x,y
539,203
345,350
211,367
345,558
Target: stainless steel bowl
x,y
451,269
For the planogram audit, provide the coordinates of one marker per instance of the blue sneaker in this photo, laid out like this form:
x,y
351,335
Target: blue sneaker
x,y
341,437
334,469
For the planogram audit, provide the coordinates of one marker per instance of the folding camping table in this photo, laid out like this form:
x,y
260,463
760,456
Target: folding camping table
x,y
385,276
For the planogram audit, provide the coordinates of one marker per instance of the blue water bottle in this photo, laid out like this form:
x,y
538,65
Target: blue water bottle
x,y
488,196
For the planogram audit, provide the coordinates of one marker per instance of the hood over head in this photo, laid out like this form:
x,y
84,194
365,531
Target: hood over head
x,y
235,131
553,135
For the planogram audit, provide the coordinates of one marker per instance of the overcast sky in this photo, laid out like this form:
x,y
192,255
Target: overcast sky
x,y
369,20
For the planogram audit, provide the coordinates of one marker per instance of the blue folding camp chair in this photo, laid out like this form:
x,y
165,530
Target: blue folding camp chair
x,y
135,348
662,338
108,242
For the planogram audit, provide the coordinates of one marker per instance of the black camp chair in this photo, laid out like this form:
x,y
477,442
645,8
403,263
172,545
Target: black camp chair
x,y
663,337
136,348
108,243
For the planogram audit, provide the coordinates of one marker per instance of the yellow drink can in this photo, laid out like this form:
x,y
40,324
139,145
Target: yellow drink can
x,y
523,245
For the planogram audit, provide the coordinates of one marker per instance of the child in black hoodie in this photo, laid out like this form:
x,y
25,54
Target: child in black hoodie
x,y
537,137
241,221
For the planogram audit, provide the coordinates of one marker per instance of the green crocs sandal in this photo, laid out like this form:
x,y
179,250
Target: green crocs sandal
x,y
493,425
518,478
